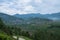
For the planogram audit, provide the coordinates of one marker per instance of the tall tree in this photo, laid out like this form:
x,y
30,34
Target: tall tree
x,y
1,24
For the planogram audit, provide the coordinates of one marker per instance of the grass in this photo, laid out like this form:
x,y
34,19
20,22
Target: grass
x,y
4,36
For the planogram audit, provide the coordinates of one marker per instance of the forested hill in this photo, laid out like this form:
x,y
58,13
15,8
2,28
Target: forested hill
x,y
8,19
53,16
34,27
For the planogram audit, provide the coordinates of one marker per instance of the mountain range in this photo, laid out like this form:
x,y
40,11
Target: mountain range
x,y
53,16
8,19
15,20
29,18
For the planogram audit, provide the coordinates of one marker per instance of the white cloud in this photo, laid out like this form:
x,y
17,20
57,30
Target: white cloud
x,y
19,6
25,1
29,9
7,10
38,1
28,6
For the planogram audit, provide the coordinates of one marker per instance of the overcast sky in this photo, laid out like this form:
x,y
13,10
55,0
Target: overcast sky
x,y
29,6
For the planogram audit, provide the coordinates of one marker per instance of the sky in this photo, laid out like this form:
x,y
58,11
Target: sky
x,y
29,6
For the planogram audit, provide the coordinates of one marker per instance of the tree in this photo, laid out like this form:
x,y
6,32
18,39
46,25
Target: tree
x,y
1,24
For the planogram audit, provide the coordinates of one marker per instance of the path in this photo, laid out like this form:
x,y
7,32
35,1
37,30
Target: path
x,y
20,38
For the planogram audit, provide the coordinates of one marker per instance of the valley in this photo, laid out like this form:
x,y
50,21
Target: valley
x,y
30,27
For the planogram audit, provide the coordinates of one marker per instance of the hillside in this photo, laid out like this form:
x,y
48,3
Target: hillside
x,y
25,24
8,19
53,16
31,15
34,28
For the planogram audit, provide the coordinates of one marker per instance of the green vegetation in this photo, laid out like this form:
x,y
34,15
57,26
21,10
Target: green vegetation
x,y
5,37
32,29
3,34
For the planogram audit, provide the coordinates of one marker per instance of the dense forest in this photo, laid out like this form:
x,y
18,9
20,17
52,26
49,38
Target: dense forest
x,y
34,29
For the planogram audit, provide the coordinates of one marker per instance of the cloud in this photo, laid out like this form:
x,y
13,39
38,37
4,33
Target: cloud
x,y
7,10
29,6
29,9
38,1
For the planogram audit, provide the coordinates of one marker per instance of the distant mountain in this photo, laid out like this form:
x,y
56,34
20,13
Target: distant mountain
x,y
28,18
31,15
8,19
53,16
31,19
